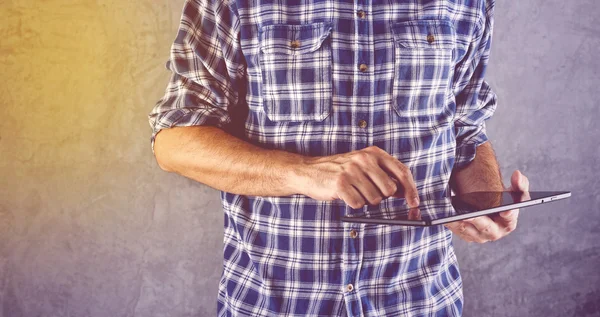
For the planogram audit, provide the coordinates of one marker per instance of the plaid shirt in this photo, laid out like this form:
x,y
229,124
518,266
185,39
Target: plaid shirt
x,y
323,77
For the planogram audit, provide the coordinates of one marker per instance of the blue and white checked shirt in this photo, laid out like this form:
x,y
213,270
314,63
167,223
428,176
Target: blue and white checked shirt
x,y
323,77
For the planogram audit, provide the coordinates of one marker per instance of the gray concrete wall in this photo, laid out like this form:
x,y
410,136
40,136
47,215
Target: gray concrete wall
x,y
90,226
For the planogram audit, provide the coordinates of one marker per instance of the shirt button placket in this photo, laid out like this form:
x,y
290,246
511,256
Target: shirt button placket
x,y
350,290
363,58
360,138
361,116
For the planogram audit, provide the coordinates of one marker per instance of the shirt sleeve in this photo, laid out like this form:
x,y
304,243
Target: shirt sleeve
x,y
207,68
475,100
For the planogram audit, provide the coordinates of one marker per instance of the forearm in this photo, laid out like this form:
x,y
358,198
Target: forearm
x,y
213,157
482,174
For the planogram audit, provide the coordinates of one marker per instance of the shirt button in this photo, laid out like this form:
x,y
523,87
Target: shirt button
x,y
430,38
361,14
295,44
363,67
349,288
362,123
353,234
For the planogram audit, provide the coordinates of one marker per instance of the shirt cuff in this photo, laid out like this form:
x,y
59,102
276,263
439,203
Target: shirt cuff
x,y
185,117
466,148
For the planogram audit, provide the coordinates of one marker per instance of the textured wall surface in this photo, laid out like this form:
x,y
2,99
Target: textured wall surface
x,y
90,226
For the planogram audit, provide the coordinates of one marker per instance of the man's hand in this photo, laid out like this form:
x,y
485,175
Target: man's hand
x,y
485,228
358,177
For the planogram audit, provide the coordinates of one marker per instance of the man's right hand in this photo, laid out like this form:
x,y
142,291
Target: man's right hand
x,y
358,177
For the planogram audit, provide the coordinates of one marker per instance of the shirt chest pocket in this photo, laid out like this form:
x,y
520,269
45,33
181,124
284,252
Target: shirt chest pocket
x,y
295,63
423,67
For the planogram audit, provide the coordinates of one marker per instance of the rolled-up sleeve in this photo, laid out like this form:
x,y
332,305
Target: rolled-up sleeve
x,y
207,68
475,100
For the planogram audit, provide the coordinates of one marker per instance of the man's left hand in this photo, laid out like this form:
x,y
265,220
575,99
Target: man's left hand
x,y
491,228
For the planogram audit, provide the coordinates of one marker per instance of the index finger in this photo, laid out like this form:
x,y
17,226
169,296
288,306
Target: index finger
x,y
402,173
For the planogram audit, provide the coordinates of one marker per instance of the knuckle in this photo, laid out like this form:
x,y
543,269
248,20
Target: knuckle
x,y
352,167
342,182
351,172
372,196
487,228
511,223
375,148
357,203
511,227
362,156
496,237
375,201
402,168
405,170
402,175
390,189
371,160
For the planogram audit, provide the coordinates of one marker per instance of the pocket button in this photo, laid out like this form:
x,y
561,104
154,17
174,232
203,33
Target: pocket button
x,y
362,124
430,38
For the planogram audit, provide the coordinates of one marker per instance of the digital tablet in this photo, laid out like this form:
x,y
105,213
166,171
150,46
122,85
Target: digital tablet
x,y
453,208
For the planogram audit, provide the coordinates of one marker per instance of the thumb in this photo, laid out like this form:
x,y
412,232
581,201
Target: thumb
x,y
515,181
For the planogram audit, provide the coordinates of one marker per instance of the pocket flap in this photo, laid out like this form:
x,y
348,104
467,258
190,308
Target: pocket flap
x,y
425,34
293,39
